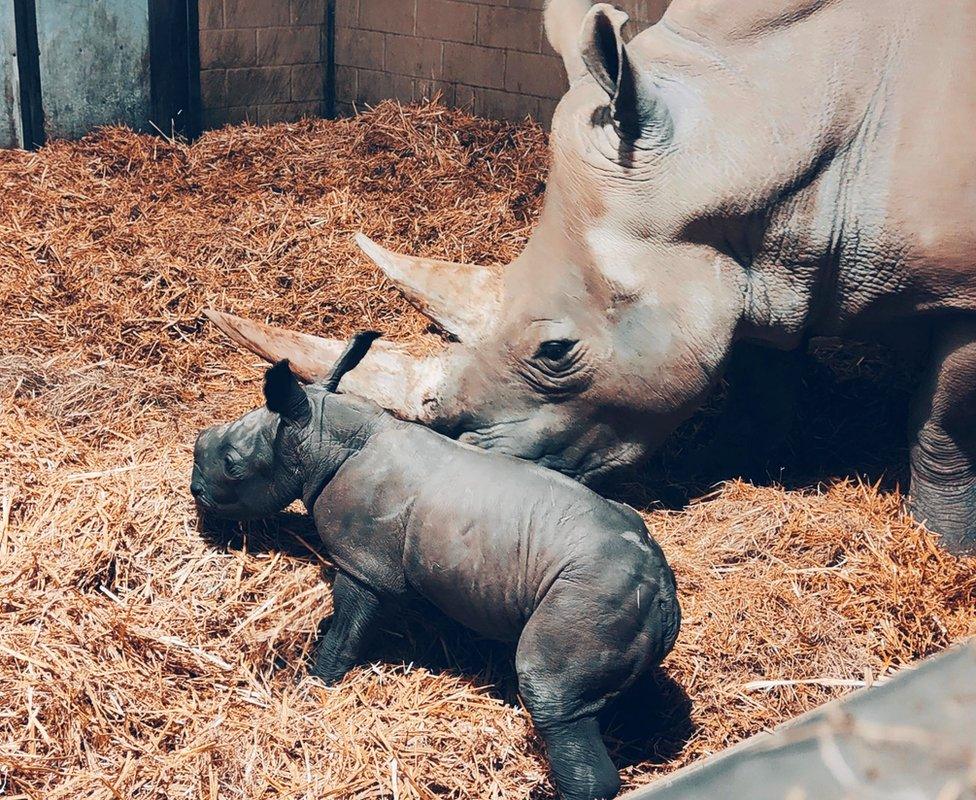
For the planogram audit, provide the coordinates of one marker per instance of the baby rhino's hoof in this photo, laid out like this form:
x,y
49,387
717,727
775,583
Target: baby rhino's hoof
x,y
581,766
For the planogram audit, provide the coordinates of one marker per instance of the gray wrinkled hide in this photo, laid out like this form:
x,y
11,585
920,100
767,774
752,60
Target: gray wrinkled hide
x,y
514,551
751,173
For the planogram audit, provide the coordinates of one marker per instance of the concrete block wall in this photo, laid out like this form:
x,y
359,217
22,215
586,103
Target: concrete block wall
x,y
265,60
262,61
488,55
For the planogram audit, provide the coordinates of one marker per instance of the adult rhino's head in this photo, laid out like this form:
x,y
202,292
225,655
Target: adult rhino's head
x,y
588,349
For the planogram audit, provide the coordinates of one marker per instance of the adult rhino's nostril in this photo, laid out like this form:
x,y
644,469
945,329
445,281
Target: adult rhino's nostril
x,y
196,489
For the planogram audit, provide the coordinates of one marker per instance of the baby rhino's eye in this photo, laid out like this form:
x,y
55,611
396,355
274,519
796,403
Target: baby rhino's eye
x,y
234,466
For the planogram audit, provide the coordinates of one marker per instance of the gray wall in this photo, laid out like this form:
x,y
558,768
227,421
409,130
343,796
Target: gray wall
x,y
94,60
262,61
489,55
10,127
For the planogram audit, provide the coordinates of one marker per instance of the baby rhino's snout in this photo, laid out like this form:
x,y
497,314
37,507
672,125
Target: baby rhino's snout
x,y
198,484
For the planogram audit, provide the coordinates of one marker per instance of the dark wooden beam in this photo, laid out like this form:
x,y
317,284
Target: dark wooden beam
x,y
330,78
29,73
174,67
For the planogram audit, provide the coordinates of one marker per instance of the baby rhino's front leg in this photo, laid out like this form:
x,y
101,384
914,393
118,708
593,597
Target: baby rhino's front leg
x,y
355,611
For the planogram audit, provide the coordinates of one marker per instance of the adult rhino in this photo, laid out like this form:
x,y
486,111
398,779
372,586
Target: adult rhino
x,y
758,171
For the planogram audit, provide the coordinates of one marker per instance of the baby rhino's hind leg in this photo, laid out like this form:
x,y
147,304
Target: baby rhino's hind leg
x,y
566,675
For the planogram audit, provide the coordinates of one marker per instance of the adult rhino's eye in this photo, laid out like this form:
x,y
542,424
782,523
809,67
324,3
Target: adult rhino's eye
x,y
554,349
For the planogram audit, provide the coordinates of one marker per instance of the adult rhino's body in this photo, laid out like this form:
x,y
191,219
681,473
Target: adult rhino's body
x,y
754,171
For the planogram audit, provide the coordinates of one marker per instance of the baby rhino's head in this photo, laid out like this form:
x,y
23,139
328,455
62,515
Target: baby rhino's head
x,y
254,466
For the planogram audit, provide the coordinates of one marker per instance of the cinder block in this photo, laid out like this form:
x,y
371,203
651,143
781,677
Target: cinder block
x,y
347,13
233,48
464,97
376,86
308,12
308,82
474,65
259,86
407,55
286,112
537,4
211,14
219,117
546,48
398,16
505,105
447,20
532,73
255,13
345,84
213,88
547,107
355,48
514,28
294,45
425,89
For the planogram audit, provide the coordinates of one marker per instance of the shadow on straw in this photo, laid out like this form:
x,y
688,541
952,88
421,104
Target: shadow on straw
x,y
650,722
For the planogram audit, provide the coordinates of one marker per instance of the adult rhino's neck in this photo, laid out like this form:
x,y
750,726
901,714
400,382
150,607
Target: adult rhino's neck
x,y
791,102
343,426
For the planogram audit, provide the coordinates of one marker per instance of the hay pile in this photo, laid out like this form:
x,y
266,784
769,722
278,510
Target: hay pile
x,y
142,657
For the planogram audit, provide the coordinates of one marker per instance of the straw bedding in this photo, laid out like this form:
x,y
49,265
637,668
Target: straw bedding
x,y
144,656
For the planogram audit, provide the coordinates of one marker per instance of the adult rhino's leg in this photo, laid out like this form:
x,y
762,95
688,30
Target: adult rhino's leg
x,y
356,610
943,447
565,681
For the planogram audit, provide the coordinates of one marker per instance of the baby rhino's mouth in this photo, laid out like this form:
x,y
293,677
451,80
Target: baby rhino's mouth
x,y
199,491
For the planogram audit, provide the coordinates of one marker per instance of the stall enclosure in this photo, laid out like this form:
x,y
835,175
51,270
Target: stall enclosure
x,y
68,66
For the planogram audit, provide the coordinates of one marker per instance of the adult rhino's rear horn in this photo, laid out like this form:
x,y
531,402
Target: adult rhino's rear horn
x,y
401,383
460,298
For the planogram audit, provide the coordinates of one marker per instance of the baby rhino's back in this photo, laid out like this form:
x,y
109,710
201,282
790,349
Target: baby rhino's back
x,y
488,535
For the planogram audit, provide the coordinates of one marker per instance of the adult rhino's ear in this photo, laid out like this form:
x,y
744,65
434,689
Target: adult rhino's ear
x,y
563,20
285,396
635,108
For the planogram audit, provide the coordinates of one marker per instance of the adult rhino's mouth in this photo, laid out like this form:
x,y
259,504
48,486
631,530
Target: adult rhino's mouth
x,y
586,465
600,466
497,437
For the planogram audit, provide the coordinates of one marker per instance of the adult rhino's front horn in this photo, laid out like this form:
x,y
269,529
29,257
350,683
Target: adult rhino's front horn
x,y
460,298
404,384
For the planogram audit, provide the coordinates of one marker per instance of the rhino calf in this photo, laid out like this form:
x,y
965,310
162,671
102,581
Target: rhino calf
x,y
514,551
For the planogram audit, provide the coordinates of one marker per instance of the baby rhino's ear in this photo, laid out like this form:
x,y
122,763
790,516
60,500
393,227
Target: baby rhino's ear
x,y
285,395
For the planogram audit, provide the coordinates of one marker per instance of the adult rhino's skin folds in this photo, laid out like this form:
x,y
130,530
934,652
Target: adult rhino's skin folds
x,y
514,551
748,173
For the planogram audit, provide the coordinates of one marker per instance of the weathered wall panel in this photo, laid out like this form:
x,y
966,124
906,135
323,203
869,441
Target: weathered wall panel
x,y
94,58
260,62
489,55
263,60
10,123
910,738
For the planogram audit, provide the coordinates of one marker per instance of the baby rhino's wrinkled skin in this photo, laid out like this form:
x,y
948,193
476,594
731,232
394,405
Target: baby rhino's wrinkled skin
x,y
507,548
